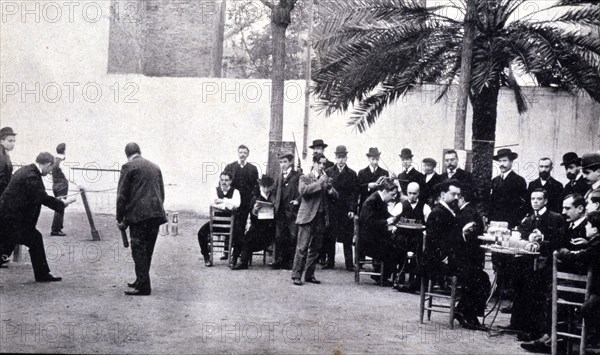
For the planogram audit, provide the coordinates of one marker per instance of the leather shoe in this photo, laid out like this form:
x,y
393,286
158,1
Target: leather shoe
x,y
224,257
506,310
297,282
468,324
137,292
327,267
350,268
240,267
58,234
132,284
48,278
312,280
541,345
275,266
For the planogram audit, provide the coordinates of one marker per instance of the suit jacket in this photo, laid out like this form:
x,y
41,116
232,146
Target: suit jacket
x,y
60,184
364,177
245,181
469,253
374,236
312,196
588,257
442,236
550,224
6,169
566,234
286,190
141,192
554,190
412,176
578,186
508,199
345,183
24,196
465,177
428,192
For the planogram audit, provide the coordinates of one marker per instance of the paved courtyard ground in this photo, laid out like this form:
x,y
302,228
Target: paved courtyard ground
x,y
194,309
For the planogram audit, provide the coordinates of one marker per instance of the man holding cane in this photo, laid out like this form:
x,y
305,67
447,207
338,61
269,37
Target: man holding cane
x,y
140,198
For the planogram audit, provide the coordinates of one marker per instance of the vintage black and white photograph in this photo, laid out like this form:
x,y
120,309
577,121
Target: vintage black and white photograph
x,y
300,176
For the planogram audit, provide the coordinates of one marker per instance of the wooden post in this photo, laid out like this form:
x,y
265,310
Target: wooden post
x,y
465,76
88,212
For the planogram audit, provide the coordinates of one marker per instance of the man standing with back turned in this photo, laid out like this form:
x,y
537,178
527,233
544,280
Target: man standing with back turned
x,y
140,199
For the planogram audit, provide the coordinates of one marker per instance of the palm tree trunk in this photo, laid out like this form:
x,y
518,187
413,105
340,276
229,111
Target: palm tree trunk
x,y
484,135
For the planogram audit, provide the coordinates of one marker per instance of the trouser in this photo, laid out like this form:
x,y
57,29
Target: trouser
x,y
12,234
57,221
241,219
143,239
475,285
410,242
530,310
286,236
591,314
256,239
309,243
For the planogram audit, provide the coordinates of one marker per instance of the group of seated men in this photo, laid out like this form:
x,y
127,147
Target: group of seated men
x,y
313,211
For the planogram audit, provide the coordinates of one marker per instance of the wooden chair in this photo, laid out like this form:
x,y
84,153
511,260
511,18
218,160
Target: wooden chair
x,y
222,224
428,297
573,285
359,262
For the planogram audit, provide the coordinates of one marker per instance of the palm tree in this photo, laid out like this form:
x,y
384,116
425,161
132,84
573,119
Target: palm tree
x,y
372,52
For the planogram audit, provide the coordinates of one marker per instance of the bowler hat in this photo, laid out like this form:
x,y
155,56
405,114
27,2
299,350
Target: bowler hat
x,y
7,131
60,149
506,152
285,154
341,150
265,181
318,143
590,160
571,158
374,152
430,161
406,153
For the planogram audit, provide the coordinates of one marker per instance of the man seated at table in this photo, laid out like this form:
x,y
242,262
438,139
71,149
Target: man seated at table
x,y
262,228
226,199
541,227
470,259
410,241
375,228
584,258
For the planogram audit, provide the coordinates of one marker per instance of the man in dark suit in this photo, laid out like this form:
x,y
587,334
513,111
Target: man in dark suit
x,y
590,168
367,178
313,218
542,227
548,183
573,235
453,171
20,207
318,146
60,188
343,209
576,184
509,191
442,232
140,198
261,233
245,177
409,174
376,229
7,143
287,200
470,261
430,180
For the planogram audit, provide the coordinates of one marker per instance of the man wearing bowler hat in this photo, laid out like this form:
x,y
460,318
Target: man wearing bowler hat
x,y
367,178
576,184
7,143
287,201
590,167
409,174
509,191
318,146
343,209
60,188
